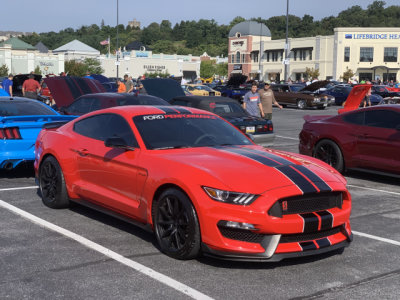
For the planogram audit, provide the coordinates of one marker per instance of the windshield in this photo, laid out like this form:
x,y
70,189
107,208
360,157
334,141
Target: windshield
x,y
204,88
296,88
23,108
187,131
224,108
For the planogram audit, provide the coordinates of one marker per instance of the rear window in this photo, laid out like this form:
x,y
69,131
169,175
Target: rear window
x,y
23,108
141,100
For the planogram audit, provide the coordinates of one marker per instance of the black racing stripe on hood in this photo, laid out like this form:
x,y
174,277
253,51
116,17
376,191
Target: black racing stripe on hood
x,y
261,159
274,157
75,91
326,219
183,110
302,183
321,185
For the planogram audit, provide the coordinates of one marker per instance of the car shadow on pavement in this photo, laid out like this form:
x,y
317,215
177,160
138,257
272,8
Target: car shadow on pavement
x,y
376,178
23,170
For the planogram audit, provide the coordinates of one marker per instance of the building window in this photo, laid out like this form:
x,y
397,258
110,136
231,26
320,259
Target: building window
x,y
365,76
346,54
233,59
367,54
310,54
254,56
243,58
390,55
238,35
238,57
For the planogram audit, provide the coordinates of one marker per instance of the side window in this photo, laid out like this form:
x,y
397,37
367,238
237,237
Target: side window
x,y
285,89
181,103
96,105
382,118
101,127
81,106
275,88
354,118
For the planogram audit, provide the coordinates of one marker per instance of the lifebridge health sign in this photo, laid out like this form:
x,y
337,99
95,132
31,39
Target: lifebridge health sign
x,y
372,36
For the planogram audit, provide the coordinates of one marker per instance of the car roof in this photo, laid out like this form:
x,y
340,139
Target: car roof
x,y
18,99
198,99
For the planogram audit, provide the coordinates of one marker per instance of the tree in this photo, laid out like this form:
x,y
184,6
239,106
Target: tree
x,y
347,74
75,68
4,70
311,73
221,69
93,66
37,70
207,68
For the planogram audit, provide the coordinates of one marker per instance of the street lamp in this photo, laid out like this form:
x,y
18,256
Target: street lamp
x,y
117,62
286,63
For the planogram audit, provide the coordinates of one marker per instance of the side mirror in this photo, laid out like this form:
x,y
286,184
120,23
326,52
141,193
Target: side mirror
x,y
117,142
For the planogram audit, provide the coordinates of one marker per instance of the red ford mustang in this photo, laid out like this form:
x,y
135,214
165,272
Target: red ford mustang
x,y
195,180
366,139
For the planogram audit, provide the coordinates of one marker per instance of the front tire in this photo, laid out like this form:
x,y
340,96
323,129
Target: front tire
x,y
176,225
330,153
301,104
52,184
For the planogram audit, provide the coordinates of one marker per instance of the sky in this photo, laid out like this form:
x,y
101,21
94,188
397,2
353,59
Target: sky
x,y
55,15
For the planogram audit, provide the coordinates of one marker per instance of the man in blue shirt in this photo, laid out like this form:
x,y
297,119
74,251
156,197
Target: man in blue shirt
x,y
252,103
8,84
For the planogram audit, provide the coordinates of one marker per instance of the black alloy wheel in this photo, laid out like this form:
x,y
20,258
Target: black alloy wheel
x,y
52,184
330,153
176,225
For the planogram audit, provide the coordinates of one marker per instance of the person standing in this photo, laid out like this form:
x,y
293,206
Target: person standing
x,y
128,83
31,87
88,75
267,98
367,98
8,85
121,86
252,104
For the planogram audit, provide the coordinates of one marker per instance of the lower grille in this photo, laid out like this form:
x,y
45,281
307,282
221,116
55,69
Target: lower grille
x,y
306,203
302,237
241,235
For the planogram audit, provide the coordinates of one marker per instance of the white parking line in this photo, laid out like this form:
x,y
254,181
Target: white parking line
x,y
19,188
376,238
286,137
375,190
180,287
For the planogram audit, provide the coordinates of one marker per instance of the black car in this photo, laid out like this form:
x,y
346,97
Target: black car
x,y
383,91
92,102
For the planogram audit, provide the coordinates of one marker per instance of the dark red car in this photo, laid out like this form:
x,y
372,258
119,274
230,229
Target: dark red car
x,y
367,139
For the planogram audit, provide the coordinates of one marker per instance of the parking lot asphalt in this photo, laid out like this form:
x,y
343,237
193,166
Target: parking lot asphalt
x,y
82,254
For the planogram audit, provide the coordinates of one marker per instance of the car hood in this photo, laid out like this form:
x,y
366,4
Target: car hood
x,y
315,86
355,97
255,169
164,88
65,89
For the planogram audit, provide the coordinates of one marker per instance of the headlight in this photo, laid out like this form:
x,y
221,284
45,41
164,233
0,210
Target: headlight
x,y
230,197
316,99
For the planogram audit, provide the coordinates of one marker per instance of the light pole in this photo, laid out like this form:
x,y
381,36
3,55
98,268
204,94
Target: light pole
x,y
286,43
259,62
117,62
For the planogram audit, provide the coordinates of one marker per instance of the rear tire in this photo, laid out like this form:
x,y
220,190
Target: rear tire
x,y
301,104
176,225
52,184
330,153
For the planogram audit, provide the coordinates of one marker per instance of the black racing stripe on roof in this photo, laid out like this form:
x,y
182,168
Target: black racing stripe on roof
x,y
261,159
321,185
302,183
73,87
182,110
167,110
82,83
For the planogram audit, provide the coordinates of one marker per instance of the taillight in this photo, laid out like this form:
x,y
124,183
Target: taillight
x,y
243,128
271,127
11,133
262,128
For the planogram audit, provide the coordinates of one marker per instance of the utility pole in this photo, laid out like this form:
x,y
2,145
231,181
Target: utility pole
x,y
259,62
286,62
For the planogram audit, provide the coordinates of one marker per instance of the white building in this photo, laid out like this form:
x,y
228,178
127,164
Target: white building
x,y
76,50
371,53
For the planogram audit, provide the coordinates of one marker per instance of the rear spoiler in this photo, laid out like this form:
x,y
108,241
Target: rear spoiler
x,y
55,124
37,118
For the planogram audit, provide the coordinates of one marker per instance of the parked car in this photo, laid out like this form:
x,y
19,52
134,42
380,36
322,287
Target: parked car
x,y
200,90
197,182
257,128
260,130
291,95
366,139
390,100
91,102
21,120
342,92
236,93
384,91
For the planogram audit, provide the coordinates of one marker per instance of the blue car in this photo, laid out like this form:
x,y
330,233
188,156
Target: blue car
x,y
341,92
21,120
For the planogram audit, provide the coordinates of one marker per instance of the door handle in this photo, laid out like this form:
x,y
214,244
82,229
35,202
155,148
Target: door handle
x,y
83,152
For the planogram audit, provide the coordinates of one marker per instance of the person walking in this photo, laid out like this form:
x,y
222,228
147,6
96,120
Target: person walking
x,y
267,98
8,85
128,83
252,104
31,87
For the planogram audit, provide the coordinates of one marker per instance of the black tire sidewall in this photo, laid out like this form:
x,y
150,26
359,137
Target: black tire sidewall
x,y
338,152
191,249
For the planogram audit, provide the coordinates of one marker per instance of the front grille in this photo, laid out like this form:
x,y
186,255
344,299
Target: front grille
x,y
241,235
211,93
306,203
302,237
